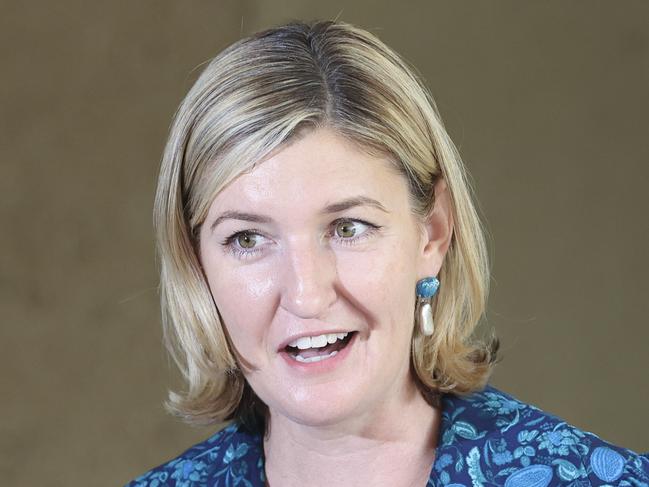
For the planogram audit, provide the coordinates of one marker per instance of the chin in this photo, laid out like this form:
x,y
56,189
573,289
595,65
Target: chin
x,y
316,408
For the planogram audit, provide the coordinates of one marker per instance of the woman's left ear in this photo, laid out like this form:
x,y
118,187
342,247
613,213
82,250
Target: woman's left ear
x,y
438,230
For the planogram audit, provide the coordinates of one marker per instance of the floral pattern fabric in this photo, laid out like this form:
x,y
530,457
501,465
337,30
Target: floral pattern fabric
x,y
486,439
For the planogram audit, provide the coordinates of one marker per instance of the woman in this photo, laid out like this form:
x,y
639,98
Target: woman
x,y
322,272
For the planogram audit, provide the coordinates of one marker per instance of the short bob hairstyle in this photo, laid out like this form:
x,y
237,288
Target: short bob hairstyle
x,y
264,91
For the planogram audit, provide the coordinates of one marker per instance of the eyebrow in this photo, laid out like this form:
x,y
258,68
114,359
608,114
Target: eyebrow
x,y
332,208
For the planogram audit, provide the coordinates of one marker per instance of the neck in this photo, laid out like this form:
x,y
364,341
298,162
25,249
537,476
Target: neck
x,y
394,444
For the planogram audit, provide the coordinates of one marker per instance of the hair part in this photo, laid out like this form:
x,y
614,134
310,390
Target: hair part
x,y
253,98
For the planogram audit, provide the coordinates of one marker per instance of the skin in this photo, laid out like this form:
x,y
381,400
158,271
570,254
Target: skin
x,y
363,422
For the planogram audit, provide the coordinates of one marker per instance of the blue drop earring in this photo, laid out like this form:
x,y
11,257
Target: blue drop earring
x,y
426,289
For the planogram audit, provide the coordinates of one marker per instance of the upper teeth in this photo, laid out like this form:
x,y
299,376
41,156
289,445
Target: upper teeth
x,y
317,341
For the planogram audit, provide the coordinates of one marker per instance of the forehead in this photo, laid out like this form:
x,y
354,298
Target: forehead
x,y
311,172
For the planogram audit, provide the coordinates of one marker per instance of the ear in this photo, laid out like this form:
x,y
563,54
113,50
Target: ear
x,y
437,232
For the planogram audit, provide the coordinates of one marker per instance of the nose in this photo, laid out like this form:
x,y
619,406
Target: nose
x,y
308,279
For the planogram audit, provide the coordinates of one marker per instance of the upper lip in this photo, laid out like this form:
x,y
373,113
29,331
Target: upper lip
x,y
292,338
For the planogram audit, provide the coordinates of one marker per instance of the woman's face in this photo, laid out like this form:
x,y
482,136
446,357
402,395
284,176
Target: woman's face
x,y
319,241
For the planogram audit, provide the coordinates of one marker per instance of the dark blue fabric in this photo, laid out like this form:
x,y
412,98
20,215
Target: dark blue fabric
x,y
487,439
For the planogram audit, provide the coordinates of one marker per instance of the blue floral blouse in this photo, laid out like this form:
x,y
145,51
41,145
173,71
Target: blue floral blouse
x,y
487,439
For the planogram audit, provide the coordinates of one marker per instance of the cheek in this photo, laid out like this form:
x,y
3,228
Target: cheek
x,y
242,297
382,280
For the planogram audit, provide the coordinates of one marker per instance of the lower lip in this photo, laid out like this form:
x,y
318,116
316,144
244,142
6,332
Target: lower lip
x,y
322,365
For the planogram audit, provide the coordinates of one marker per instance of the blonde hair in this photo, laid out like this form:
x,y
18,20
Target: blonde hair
x,y
264,91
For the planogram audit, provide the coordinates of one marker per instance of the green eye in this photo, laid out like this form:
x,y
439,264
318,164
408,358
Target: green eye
x,y
246,240
345,229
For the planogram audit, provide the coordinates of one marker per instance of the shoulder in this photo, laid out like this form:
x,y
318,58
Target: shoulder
x,y
492,437
232,455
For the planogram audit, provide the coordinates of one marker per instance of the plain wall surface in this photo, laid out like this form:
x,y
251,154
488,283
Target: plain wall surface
x,y
546,101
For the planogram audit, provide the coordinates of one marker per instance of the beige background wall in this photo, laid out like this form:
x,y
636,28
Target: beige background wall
x,y
547,102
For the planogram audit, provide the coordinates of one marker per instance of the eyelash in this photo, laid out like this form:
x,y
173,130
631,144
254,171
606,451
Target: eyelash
x,y
230,245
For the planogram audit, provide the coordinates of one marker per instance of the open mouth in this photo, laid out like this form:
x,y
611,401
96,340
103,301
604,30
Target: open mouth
x,y
315,349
